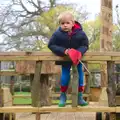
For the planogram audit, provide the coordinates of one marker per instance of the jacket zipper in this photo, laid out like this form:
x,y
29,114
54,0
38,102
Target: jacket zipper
x,y
70,41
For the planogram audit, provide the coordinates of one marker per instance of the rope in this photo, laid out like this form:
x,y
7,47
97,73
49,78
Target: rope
x,y
85,66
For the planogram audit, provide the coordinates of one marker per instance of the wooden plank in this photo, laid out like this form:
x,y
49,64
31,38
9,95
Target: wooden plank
x,y
35,88
95,62
68,95
10,116
118,109
1,98
74,86
53,95
118,100
21,96
11,73
52,58
97,56
91,56
20,109
38,53
95,94
48,67
14,73
111,89
112,116
104,74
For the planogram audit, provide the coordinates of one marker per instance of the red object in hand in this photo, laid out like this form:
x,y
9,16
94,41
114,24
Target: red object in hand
x,y
75,56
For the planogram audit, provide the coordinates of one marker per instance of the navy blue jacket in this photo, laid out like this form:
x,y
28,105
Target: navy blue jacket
x,y
61,40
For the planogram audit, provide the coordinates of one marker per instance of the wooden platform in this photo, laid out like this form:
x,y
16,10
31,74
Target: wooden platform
x,y
90,108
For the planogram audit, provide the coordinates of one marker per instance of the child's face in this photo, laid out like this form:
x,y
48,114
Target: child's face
x,y
66,25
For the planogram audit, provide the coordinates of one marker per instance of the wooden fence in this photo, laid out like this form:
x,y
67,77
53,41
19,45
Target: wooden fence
x,y
41,98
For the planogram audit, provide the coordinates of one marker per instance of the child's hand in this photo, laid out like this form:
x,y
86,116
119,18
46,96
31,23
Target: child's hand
x,y
75,56
66,51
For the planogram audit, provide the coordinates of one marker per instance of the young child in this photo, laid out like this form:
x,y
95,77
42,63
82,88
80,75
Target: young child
x,y
69,39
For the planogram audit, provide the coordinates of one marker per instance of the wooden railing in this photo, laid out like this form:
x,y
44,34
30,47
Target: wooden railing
x,y
107,59
47,56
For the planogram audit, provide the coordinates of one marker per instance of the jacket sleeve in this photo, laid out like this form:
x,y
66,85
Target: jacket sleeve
x,y
56,49
84,47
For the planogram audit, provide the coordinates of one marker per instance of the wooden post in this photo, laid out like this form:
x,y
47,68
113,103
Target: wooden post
x,y
113,116
106,26
35,89
104,75
45,98
40,87
106,41
12,85
37,116
87,79
0,76
31,80
74,86
111,90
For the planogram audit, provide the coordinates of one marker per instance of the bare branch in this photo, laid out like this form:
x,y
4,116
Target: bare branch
x,y
25,7
33,3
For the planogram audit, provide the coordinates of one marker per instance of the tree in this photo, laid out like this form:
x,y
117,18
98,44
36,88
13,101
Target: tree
x,y
26,31
18,20
92,29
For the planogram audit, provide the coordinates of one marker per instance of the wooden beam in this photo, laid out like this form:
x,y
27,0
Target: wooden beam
x,y
10,73
36,53
53,95
13,73
39,56
21,96
26,109
52,58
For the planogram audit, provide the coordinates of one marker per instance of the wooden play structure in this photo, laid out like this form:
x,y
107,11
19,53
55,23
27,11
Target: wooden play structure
x,y
108,58
40,89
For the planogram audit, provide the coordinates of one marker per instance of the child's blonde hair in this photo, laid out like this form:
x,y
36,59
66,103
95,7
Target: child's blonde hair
x,y
65,14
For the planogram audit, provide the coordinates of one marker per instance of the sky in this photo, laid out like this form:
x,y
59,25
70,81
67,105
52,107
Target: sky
x,y
93,6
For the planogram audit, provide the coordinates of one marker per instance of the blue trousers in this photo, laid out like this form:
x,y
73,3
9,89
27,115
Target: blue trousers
x,y
65,77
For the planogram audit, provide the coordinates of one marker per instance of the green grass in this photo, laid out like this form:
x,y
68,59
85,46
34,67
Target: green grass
x,y
22,100
22,93
27,101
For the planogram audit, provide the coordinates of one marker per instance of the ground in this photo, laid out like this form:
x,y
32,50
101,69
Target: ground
x,y
58,116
